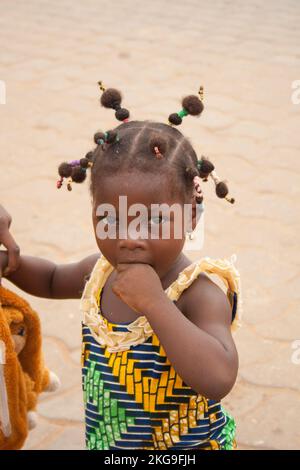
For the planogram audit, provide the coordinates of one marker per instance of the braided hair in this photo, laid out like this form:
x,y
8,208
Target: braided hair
x,y
148,146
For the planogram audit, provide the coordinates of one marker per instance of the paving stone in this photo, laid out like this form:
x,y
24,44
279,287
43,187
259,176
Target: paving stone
x,y
271,424
72,438
42,433
64,407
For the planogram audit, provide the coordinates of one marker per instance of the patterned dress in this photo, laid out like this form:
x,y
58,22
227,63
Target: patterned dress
x,y
133,397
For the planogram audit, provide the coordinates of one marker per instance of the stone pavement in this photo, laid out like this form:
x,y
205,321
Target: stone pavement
x,y
247,56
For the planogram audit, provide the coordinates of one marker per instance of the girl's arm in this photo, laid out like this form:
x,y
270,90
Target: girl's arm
x,y
197,339
198,343
43,278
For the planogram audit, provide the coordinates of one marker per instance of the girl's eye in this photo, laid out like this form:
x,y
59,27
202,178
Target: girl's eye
x,y
156,220
108,219
21,332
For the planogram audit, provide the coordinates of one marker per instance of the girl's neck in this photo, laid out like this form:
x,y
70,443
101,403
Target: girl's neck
x,y
171,275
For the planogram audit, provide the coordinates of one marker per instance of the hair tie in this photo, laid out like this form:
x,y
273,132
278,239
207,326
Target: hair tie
x,y
157,152
158,146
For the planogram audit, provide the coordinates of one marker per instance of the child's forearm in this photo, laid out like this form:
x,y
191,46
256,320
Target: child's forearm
x,y
33,275
199,359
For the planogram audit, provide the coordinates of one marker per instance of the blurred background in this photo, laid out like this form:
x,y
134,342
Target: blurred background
x,y
246,54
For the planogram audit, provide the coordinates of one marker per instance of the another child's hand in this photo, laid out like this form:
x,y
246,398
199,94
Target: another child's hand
x,y
138,285
3,263
8,241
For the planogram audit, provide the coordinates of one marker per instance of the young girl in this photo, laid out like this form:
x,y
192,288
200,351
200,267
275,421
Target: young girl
x,y
157,350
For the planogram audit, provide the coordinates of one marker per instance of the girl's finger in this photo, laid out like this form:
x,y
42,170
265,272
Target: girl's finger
x,y
13,252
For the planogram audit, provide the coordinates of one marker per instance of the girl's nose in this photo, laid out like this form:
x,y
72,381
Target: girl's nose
x,y
131,243
132,238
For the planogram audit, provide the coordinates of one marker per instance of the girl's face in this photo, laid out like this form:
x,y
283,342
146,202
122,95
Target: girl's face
x,y
147,241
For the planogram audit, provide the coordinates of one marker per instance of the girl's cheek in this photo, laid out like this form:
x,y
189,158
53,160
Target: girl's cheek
x,y
107,246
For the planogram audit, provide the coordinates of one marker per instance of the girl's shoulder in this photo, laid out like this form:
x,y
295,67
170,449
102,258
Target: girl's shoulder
x,y
86,265
210,289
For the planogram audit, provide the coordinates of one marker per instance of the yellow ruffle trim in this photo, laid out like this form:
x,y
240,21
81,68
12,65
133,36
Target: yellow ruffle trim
x,y
140,329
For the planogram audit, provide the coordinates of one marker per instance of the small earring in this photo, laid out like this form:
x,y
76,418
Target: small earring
x,y
190,235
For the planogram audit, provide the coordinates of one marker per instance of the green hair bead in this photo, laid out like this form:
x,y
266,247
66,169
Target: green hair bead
x,y
199,164
183,113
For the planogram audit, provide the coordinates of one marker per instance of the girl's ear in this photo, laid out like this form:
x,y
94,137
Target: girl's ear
x,y
194,214
197,210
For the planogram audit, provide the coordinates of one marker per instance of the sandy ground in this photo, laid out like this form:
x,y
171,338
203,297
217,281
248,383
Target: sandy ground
x,y
247,56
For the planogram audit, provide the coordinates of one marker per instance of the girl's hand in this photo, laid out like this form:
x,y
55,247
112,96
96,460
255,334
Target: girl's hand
x,y
8,241
138,285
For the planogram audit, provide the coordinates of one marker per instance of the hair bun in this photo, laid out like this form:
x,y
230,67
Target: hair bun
x,y
111,136
90,156
111,98
84,162
191,172
122,114
221,189
193,105
65,170
205,167
78,174
99,138
175,119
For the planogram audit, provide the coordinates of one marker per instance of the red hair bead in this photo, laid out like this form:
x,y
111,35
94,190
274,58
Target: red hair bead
x,y
157,152
59,183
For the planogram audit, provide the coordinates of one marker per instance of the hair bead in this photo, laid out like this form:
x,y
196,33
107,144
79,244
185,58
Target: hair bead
x,y
59,183
201,93
158,146
157,153
183,113
69,184
101,86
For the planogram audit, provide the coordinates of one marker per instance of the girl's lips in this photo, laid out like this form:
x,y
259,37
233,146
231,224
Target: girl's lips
x,y
134,262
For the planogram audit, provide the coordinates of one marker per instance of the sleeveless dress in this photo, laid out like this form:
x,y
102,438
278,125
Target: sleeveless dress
x,y
133,397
